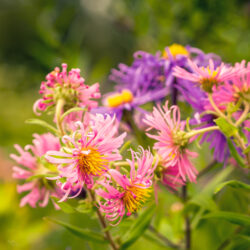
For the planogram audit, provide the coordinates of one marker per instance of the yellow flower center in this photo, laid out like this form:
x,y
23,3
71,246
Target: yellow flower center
x,y
176,49
91,162
134,197
212,75
118,99
243,92
208,83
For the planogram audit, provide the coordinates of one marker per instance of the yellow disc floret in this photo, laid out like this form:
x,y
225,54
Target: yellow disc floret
x,y
134,197
176,49
118,99
208,82
91,162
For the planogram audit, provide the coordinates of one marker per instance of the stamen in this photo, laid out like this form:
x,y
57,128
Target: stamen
x,y
91,162
134,198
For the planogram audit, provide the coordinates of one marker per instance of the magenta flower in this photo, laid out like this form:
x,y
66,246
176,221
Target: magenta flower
x,y
34,167
68,86
126,195
207,77
171,142
88,153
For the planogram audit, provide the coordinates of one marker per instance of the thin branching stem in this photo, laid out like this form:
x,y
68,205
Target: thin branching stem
x,y
102,221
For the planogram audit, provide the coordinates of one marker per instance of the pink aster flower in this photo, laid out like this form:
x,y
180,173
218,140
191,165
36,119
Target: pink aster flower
x,y
121,194
33,164
235,88
171,178
171,142
88,154
207,77
68,86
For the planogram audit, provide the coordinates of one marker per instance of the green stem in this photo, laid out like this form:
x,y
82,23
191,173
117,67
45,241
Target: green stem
x,y
187,221
217,110
237,136
103,223
121,164
201,131
59,110
243,115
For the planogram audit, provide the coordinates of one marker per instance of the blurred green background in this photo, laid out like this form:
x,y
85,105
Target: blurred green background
x,y
94,35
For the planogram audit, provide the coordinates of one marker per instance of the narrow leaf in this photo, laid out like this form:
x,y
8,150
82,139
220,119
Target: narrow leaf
x,y
235,218
85,234
235,154
204,197
64,206
75,109
42,123
232,183
138,227
125,146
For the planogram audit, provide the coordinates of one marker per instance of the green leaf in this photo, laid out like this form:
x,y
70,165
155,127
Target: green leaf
x,y
232,183
42,123
37,176
247,150
231,107
85,234
125,146
235,218
235,153
138,227
227,128
204,197
75,109
85,207
66,208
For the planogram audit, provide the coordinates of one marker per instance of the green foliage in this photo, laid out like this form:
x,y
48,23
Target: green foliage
x,y
235,153
235,218
66,208
204,198
43,124
138,227
79,232
234,184
227,128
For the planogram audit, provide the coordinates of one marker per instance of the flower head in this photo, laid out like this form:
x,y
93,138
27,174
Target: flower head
x,y
175,50
234,89
171,142
169,176
207,77
87,154
67,86
34,169
126,195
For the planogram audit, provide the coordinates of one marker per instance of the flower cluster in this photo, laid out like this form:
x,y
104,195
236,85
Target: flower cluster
x,y
87,152
220,90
